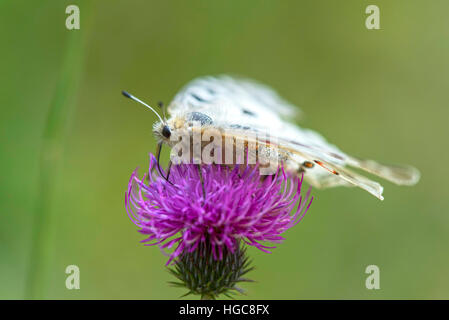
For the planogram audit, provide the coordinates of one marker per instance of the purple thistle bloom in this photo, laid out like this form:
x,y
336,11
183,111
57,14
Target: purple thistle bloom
x,y
239,204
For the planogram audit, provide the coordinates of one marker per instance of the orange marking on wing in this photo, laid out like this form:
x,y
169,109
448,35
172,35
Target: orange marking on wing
x,y
308,164
323,166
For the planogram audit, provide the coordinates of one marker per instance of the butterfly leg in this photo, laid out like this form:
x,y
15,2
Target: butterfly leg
x,y
202,180
169,168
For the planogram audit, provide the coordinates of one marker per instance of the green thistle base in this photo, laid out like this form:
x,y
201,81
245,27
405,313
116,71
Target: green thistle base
x,y
202,275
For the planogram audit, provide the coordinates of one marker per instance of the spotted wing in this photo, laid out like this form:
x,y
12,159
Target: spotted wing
x,y
231,100
243,106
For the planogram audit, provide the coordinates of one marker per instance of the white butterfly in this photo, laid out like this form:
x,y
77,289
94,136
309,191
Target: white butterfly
x,y
242,107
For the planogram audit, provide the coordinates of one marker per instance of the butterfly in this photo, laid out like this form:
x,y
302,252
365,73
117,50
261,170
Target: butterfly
x,y
244,110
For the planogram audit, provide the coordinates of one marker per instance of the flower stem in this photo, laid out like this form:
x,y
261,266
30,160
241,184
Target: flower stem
x,y
207,297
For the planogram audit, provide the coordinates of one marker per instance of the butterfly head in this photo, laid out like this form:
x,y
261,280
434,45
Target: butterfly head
x,y
162,131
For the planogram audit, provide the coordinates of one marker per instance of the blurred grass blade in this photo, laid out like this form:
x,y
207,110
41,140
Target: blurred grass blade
x,y
50,158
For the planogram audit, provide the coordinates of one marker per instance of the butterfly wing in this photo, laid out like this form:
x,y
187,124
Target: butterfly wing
x,y
228,98
330,166
328,157
245,108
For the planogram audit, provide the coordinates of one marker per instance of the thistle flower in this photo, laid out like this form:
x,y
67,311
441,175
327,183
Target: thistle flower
x,y
215,212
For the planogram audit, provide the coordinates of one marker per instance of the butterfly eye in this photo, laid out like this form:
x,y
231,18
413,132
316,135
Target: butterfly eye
x,y
166,132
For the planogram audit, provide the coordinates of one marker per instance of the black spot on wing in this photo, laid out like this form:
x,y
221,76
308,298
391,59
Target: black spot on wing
x,y
198,98
202,118
249,113
238,126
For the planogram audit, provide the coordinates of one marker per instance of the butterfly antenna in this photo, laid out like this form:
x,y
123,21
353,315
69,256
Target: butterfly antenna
x,y
158,156
130,96
161,105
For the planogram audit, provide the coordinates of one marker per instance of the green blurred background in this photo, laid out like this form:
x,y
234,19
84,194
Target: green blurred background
x,y
69,140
